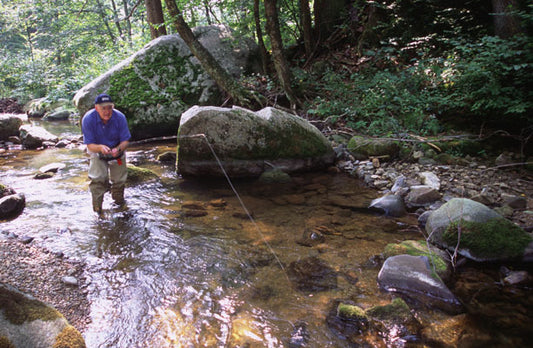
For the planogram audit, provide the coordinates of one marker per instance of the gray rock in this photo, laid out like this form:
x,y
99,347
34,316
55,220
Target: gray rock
x,y
52,167
9,125
391,205
516,277
430,179
248,143
421,195
59,115
34,136
12,206
515,202
69,280
412,276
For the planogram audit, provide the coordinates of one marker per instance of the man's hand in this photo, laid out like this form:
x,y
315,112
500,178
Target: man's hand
x,y
105,150
115,152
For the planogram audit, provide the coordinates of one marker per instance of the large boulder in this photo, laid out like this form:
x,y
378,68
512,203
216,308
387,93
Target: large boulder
x,y
28,322
156,85
248,143
413,276
9,125
34,136
478,232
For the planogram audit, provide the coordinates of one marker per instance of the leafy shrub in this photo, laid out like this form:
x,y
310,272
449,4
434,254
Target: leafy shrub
x,y
490,78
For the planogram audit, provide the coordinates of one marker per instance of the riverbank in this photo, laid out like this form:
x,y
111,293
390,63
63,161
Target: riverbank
x,y
38,272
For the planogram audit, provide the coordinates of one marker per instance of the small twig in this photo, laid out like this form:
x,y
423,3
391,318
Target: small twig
x,y
507,165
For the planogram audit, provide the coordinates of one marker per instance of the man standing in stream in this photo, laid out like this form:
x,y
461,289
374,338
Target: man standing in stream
x,y
106,134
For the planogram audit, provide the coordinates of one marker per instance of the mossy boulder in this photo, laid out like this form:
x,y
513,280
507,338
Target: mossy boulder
x,y
137,174
364,147
247,143
480,233
28,322
437,258
157,84
9,125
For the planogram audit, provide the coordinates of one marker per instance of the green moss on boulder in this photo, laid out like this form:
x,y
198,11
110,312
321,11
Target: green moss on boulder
x,y
364,147
18,308
497,237
397,311
138,174
351,312
420,248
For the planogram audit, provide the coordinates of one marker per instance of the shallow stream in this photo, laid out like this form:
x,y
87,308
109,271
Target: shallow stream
x,y
184,265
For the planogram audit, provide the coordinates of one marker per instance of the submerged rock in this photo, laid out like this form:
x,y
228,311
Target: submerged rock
x,y
413,276
437,258
391,205
312,274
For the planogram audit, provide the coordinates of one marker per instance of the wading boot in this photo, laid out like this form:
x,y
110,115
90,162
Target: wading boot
x,y
97,204
117,193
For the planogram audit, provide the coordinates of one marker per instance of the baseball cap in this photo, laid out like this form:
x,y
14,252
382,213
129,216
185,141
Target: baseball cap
x,y
103,99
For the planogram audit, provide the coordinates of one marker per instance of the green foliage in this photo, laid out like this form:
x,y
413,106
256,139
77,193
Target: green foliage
x,y
477,81
490,78
379,101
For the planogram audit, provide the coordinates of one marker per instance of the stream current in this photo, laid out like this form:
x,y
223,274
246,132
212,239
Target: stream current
x,y
183,265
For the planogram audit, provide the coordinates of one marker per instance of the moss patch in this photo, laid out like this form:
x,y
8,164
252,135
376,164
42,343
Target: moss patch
x,y
494,238
352,312
397,311
5,343
69,338
417,248
138,174
19,308
373,147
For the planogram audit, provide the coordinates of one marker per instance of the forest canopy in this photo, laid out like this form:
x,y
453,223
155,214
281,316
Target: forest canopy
x,y
378,67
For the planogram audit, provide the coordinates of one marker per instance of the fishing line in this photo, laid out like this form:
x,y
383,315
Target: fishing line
x,y
239,198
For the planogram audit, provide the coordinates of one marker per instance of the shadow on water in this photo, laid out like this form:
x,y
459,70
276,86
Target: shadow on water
x,y
183,265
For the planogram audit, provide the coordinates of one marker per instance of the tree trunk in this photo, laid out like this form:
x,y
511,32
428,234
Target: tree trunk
x,y
280,62
155,18
224,80
101,12
305,18
505,24
328,15
116,20
128,21
259,32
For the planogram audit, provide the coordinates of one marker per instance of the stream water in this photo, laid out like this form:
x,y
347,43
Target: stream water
x,y
184,266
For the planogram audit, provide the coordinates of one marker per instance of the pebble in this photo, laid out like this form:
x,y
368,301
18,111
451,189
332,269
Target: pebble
x,y
69,280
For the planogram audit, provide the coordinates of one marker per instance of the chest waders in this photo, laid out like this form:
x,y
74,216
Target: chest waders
x,y
104,174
